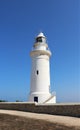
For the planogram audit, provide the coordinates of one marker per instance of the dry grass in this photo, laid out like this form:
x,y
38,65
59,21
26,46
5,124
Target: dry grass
x,y
9,122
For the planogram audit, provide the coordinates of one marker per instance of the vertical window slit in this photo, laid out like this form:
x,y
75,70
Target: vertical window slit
x,y
37,72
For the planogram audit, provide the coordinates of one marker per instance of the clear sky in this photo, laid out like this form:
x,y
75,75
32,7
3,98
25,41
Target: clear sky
x,y
20,22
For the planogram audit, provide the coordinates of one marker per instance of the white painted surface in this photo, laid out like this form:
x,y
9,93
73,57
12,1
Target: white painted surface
x,y
41,35
40,72
52,100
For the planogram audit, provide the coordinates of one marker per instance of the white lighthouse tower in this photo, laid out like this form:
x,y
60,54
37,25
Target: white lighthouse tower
x,y
40,73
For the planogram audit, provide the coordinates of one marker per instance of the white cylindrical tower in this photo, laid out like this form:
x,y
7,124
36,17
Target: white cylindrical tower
x,y
40,73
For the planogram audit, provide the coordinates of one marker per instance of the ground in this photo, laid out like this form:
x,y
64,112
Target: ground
x,y
31,121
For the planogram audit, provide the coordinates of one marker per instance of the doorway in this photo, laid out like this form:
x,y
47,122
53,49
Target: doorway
x,y
35,99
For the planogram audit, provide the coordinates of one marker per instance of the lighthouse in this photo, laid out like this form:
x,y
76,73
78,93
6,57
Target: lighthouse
x,y
40,72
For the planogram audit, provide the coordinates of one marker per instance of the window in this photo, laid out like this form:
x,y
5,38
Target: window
x,y
39,39
35,99
37,72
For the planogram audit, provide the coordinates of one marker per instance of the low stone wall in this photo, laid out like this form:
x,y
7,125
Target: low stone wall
x,y
53,109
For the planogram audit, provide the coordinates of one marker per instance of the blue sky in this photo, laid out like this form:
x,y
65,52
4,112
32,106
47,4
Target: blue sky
x,y
20,22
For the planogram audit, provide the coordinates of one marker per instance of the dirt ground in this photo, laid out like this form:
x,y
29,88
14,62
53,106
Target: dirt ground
x,y
10,122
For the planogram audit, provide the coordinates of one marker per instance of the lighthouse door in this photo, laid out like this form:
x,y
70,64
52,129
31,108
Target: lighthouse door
x,y
35,99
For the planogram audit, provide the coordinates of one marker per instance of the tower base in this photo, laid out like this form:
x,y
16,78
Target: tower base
x,y
42,97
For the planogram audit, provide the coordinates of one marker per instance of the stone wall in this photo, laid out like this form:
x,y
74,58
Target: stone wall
x,y
53,109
